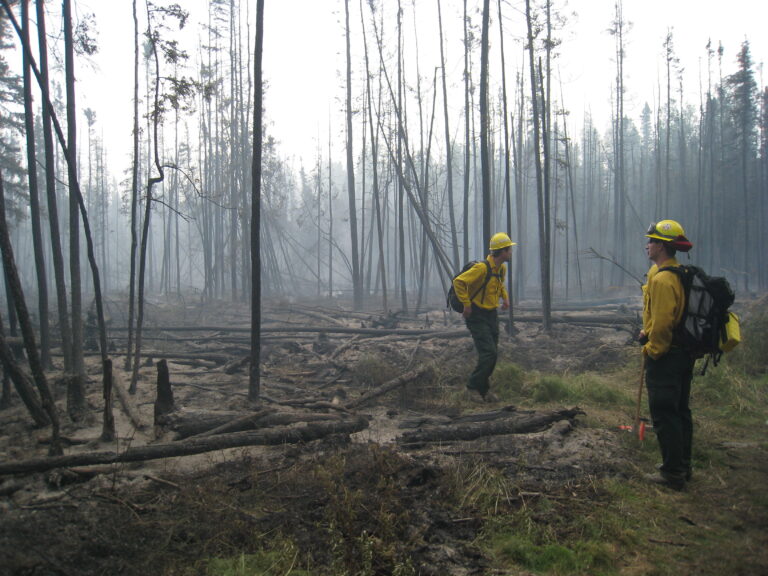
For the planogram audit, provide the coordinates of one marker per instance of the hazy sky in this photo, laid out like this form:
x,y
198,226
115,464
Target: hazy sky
x,y
304,55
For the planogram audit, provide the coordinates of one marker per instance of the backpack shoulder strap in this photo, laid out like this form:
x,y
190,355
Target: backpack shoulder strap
x,y
485,281
684,272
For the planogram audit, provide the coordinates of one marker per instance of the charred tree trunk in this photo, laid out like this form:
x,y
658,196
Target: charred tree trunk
x,y
542,212
448,149
50,172
75,190
277,436
467,133
108,422
164,403
151,183
254,381
357,284
30,345
134,190
507,183
75,387
21,382
485,161
34,202
374,127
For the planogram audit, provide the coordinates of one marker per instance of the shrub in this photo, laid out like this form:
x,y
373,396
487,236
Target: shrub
x,y
508,380
551,389
371,370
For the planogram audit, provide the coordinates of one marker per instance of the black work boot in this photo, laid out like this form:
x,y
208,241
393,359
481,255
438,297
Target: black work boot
x,y
665,479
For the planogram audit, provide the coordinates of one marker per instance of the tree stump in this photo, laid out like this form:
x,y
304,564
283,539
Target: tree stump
x,y
108,426
164,402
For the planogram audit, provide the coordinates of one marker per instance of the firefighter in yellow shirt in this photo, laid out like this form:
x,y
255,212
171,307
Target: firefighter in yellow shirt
x,y
481,300
668,367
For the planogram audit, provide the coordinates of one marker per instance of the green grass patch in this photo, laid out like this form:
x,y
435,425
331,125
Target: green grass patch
x,y
514,384
530,540
279,560
509,380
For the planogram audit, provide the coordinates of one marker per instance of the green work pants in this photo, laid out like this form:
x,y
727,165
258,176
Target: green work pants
x,y
668,380
484,327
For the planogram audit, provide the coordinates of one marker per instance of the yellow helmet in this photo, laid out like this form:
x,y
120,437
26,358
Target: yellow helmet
x,y
499,241
669,231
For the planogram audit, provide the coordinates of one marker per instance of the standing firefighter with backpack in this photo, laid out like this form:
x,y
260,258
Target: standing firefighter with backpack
x,y
479,288
668,364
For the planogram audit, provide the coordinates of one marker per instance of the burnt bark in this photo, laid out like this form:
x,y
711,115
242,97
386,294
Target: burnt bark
x,y
24,387
34,199
50,190
30,345
276,436
254,376
108,423
506,421
164,403
393,384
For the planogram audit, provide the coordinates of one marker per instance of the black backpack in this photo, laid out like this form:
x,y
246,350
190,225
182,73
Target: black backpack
x,y
453,301
707,298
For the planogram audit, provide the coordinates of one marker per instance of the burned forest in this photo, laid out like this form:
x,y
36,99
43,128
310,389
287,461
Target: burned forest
x,y
226,353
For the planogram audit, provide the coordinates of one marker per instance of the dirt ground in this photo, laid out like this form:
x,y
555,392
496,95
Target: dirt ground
x,y
333,500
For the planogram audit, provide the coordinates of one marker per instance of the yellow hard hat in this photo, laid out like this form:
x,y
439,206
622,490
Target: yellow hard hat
x,y
670,231
499,241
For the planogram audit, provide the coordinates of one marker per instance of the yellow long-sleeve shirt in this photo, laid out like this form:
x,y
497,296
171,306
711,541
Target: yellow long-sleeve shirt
x,y
646,301
467,283
663,309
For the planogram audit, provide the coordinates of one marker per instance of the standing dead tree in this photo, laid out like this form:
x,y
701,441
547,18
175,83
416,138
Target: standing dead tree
x,y
50,186
30,345
254,379
71,167
181,88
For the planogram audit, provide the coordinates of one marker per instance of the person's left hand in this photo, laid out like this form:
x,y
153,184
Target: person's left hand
x,y
505,304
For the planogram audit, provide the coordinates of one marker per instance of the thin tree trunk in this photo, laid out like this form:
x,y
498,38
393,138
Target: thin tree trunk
x,y
254,381
448,148
34,199
152,181
357,285
519,198
467,139
108,420
75,191
375,166
507,183
485,161
330,216
543,244
134,190
21,382
399,164
75,385
50,187
9,265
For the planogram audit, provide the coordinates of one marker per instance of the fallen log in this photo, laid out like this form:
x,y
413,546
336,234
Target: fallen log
x,y
275,436
389,386
515,423
284,329
126,402
205,359
248,422
197,425
188,423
